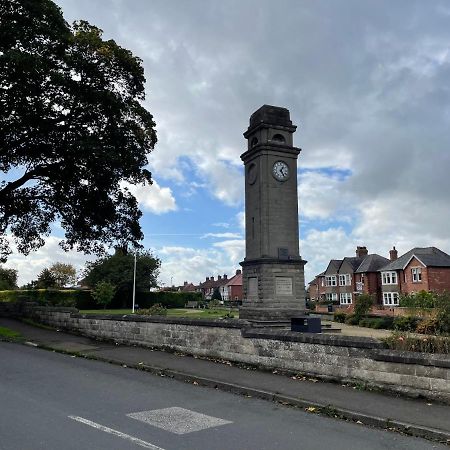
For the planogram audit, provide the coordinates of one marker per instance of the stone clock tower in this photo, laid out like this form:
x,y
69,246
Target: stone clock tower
x,y
273,278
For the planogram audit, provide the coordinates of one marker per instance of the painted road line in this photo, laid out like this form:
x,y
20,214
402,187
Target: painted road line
x,y
133,439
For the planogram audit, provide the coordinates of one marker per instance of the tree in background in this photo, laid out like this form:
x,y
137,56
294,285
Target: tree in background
x,y
103,293
64,274
45,280
8,279
72,130
118,270
216,295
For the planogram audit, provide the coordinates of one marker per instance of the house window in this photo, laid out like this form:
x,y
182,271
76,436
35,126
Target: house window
x,y
389,278
344,280
330,280
345,298
416,273
331,297
390,298
322,281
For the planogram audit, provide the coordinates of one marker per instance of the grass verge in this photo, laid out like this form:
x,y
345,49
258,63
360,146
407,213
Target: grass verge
x,y
216,313
9,335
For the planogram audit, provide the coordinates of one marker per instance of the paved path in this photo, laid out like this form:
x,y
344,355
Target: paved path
x,y
430,419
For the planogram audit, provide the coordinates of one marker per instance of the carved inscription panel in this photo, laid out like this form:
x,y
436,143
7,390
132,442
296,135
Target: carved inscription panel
x,y
252,288
283,286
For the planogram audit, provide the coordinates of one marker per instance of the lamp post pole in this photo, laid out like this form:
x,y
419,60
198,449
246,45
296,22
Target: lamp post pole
x,y
134,281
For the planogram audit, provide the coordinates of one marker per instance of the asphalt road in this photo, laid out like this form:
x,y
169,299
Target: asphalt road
x,y
54,401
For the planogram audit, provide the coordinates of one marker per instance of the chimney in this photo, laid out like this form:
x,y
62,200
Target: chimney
x,y
225,276
361,252
185,283
212,278
207,278
238,271
219,277
393,254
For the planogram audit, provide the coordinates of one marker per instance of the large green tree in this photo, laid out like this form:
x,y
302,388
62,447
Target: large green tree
x,y
8,279
64,274
72,130
118,270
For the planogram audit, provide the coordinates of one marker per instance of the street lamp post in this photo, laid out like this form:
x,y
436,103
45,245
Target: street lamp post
x,y
134,281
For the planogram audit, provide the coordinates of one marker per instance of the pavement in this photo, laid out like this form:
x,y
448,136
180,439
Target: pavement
x,y
417,417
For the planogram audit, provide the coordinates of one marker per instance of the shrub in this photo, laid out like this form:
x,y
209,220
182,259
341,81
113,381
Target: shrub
x,y
422,299
377,323
155,310
351,319
443,312
340,317
411,343
103,293
430,325
405,323
363,303
213,303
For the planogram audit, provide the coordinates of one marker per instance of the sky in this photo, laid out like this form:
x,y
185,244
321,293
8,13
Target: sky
x,y
367,82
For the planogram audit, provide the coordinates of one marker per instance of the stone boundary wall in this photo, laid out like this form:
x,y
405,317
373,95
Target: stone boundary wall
x,y
333,357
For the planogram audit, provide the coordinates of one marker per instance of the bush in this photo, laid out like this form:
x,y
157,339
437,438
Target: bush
x,y
410,343
430,325
103,293
378,323
214,303
340,317
363,303
156,310
351,319
405,323
422,299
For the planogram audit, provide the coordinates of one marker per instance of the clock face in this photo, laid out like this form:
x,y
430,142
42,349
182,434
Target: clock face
x,y
280,171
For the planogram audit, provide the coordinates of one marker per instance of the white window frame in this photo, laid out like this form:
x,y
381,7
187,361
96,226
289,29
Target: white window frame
x,y
390,299
344,279
416,274
388,278
330,280
345,298
331,296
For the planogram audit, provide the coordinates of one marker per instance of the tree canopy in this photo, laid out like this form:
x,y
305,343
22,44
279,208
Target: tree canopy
x,y
8,279
64,274
72,131
118,270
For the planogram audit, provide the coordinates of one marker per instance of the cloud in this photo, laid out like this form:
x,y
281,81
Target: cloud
x,y
30,266
221,235
153,198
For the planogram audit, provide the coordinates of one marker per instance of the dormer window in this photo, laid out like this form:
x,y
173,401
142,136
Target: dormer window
x,y
279,138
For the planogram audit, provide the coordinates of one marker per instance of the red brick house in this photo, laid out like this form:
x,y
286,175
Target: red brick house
x,y
420,269
234,288
353,275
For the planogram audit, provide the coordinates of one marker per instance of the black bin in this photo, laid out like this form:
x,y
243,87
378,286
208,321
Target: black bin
x,y
306,324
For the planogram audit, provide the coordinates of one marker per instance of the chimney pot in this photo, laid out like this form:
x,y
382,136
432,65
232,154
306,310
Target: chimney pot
x,y
207,278
225,276
219,277
212,278
238,271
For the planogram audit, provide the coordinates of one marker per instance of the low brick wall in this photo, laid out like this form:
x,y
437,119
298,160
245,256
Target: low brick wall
x,y
335,357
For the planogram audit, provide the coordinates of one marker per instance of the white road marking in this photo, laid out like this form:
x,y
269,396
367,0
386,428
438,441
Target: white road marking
x,y
178,420
133,439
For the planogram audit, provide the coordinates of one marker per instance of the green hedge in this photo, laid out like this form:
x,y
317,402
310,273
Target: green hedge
x,y
166,298
51,297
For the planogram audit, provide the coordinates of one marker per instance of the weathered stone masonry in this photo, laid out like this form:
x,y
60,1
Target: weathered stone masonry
x,y
335,357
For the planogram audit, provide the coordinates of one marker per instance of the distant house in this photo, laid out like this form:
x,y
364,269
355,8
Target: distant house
x,y
234,288
187,287
208,287
420,269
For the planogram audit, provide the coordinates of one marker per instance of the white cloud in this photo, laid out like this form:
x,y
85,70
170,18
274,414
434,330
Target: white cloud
x,y
153,198
221,235
30,266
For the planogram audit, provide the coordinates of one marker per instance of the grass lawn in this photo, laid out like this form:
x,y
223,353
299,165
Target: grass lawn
x,y
175,312
9,334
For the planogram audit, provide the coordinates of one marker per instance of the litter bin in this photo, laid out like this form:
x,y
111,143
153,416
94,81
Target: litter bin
x,y
330,308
